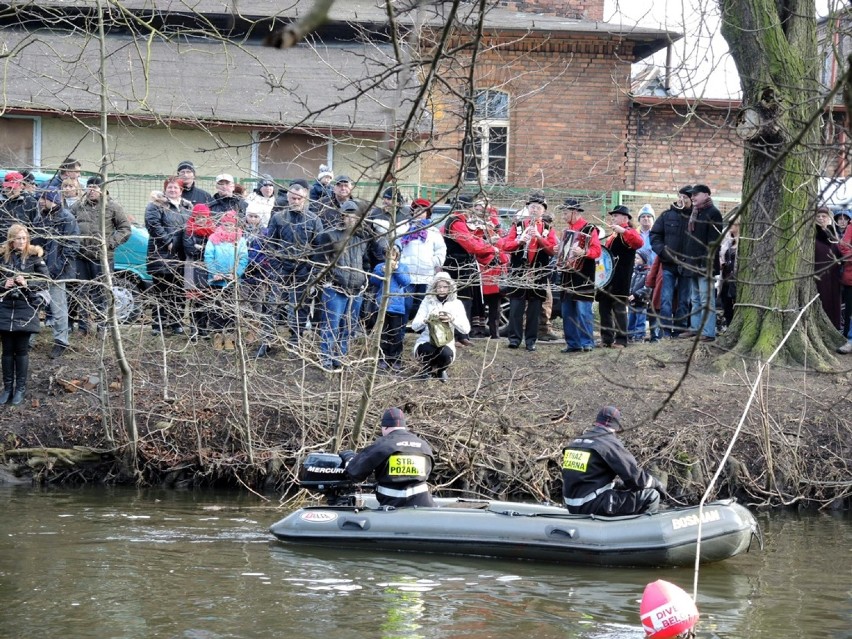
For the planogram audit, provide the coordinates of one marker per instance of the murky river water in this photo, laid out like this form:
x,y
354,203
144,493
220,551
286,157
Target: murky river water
x,y
129,564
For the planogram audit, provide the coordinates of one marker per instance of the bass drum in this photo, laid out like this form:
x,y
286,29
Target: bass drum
x,y
603,268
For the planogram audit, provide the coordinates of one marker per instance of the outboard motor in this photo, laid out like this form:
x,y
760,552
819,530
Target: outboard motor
x,y
323,473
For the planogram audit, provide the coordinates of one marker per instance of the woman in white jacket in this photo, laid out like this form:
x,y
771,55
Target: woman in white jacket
x,y
439,304
423,252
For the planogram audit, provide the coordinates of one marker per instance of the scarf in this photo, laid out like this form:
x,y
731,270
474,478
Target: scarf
x,y
416,231
222,235
694,214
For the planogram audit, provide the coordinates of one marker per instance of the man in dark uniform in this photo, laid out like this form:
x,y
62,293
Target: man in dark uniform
x,y
591,466
401,461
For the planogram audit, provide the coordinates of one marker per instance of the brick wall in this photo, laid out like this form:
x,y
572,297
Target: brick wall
x,y
670,146
577,9
568,108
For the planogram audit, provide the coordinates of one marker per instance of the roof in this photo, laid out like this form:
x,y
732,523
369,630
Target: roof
x,y
233,78
258,15
203,80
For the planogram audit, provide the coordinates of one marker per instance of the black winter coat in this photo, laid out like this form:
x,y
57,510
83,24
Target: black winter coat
x,y
220,205
704,236
350,272
22,209
196,195
291,243
166,223
63,244
668,238
389,451
19,305
595,459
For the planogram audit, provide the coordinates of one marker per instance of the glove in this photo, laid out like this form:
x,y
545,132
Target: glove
x,y
346,456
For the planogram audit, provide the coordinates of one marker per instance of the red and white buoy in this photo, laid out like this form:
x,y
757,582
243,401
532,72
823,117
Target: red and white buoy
x,y
666,611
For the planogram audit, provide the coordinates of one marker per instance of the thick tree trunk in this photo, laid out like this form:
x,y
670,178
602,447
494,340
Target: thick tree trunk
x,y
773,43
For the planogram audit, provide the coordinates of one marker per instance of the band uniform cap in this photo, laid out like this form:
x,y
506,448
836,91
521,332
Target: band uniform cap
x,y
571,204
393,418
622,210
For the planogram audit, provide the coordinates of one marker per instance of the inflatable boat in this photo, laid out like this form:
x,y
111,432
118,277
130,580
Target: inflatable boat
x,y
487,528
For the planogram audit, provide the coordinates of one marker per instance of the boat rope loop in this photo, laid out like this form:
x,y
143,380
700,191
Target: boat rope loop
x,y
408,492
574,502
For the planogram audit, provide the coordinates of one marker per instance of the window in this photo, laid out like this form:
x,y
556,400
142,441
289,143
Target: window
x,y
18,142
486,148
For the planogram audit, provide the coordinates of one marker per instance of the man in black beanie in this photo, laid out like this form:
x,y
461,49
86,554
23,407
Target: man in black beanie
x,y
401,460
601,477
191,191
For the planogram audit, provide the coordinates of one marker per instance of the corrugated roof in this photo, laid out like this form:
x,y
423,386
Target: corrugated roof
x,y
210,81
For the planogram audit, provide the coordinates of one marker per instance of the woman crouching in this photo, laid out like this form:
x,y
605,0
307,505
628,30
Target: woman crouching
x,y
24,277
439,315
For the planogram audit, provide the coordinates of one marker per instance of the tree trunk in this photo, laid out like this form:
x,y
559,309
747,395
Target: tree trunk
x,y
773,43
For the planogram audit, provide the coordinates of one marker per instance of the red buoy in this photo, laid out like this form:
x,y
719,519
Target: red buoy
x,y
666,610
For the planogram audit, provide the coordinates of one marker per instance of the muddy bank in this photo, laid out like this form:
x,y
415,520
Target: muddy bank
x,y
497,427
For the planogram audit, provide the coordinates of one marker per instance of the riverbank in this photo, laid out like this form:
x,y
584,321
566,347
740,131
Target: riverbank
x,y
497,426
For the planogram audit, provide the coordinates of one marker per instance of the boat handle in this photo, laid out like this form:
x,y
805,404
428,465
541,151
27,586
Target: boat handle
x,y
570,532
362,523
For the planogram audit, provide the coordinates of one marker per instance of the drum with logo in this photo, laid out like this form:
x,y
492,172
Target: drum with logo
x,y
604,268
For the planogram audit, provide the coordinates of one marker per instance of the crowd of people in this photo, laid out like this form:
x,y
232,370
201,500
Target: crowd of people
x,y
319,257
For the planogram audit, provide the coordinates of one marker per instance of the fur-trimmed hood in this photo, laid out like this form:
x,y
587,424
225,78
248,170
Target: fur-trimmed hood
x,y
159,198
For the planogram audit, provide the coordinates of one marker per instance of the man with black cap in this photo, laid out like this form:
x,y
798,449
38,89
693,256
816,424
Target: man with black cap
x,y
191,191
578,251
622,244
328,208
668,241
601,477
60,253
290,246
401,461
87,212
703,231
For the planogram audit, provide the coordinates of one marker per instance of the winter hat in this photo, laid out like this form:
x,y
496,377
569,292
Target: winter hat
x,y
12,178
52,196
647,209
393,418
420,203
229,217
325,171
299,182
609,417
186,164
348,207
645,254
201,209
95,180
686,190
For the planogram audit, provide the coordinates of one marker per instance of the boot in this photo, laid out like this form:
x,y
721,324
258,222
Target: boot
x,y
22,365
8,378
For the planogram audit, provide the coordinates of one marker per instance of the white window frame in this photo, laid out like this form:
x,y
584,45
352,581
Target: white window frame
x,y
483,127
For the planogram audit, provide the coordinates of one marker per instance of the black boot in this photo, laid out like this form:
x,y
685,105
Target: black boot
x,y
22,365
8,378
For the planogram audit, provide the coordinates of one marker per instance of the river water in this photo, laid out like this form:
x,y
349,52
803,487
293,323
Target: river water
x,y
128,564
